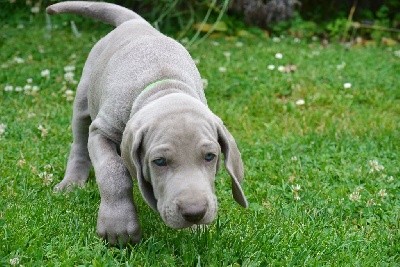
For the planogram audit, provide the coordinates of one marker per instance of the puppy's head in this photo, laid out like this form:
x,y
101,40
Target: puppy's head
x,y
173,147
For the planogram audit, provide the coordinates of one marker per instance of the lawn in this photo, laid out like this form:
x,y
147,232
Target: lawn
x,y
318,127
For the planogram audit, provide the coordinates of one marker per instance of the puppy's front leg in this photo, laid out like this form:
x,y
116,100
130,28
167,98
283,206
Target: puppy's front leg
x,y
117,220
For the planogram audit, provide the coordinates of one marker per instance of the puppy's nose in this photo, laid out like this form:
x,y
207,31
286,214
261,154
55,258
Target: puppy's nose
x,y
193,212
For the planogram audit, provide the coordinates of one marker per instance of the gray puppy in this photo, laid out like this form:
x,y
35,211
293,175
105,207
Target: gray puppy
x,y
141,96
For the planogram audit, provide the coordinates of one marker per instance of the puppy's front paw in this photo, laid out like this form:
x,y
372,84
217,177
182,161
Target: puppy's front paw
x,y
118,224
68,184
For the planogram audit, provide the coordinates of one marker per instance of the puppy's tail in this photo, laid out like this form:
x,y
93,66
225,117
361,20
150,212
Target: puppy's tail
x,y
105,12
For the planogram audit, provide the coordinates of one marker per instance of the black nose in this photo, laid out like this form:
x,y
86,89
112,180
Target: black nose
x,y
193,213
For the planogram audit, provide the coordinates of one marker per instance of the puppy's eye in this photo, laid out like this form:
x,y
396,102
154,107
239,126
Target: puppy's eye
x,y
209,157
160,162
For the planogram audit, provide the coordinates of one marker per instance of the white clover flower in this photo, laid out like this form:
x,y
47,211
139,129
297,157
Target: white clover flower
x,y
341,65
347,85
271,67
35,9
14,261
215,43
314,38
35,88
375,166
289,68
196,61
276,39
69,92
47,177
8,88
19,60
222,69
227,54
382,193
397,53
48,167
300,102
296,40
239,44
281,68
69,77
296,188
279,55
69,95
18,88
355,196
21,162
45,73
29,80
27,87
294,158
3,128
69,68
43,131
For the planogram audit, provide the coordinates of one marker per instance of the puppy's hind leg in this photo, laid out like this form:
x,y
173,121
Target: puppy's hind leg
x,y
79,163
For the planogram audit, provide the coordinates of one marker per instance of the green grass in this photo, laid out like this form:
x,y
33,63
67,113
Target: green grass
x,y
346,215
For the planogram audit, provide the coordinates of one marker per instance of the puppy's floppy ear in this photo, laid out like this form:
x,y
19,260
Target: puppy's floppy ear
x,y
130,152
233,162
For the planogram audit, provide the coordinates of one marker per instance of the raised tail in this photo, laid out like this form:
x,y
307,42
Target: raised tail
x,y
105,12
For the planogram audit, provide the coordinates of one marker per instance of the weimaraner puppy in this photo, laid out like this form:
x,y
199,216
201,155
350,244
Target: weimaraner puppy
x,y
140,111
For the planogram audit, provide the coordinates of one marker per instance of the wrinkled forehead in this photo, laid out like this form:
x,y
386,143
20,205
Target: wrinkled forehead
x,y
185,129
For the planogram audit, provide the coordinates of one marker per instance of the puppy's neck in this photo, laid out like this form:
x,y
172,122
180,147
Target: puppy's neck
x,y
162,88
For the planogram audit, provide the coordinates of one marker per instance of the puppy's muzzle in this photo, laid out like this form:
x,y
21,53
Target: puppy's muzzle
x,y
193,211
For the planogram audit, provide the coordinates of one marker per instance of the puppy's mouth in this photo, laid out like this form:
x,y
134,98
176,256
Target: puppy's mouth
x,y
188,225
178,221
179,214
